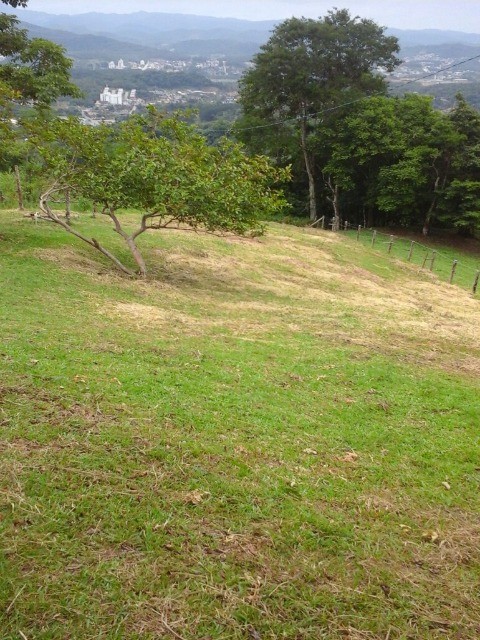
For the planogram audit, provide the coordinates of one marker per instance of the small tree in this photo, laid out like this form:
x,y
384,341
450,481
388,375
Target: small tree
x,y
163,168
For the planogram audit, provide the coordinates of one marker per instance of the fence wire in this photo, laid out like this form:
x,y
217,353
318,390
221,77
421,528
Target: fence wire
x,y
445,264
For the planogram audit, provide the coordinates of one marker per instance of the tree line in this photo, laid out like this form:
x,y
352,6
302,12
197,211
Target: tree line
x,y
317,98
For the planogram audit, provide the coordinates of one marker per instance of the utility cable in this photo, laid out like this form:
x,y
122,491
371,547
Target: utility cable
x,y
347,104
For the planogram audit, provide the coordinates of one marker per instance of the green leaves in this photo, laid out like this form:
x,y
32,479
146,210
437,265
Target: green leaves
x,y
164,169
37,70
306,68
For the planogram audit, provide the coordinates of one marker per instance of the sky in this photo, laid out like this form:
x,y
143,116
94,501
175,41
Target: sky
x,y
459,15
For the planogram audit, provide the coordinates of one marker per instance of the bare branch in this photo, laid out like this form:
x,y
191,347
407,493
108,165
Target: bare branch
x,y
51,215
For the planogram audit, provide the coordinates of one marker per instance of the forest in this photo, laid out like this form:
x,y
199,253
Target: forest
x,y
318,103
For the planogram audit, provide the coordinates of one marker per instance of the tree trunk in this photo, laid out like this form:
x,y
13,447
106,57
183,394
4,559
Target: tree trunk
x,y
337,220
137,256
130,242
51,215
431,209
312,199
18,183
335,200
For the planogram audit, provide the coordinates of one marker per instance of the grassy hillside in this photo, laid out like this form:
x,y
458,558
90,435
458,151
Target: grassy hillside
x,y
273,438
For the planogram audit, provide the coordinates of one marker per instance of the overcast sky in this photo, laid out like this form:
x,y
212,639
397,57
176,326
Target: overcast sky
x,y
462,15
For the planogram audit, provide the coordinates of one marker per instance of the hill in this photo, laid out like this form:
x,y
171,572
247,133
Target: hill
x,y
433,37
153,29
272,438
91,47
159,30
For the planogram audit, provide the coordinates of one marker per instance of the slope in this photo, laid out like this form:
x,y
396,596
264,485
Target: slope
x,y
274,438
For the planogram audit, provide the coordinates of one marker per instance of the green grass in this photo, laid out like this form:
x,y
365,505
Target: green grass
x,y
422,254
273,438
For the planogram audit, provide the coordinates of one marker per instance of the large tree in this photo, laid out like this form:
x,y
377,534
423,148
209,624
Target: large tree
x,y
310,66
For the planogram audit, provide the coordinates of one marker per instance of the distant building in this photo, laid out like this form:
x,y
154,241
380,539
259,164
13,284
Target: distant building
x,y
121,64
111,65
112,96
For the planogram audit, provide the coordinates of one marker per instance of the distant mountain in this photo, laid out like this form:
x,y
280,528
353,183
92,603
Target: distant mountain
x,y
227,49
412,38
151,28
82,47
143,35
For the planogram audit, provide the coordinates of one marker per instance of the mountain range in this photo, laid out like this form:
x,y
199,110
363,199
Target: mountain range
x,y
148,35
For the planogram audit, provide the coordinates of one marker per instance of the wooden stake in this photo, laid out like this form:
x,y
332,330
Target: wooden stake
x,y
410,253
358,231
67,206
374,237
390,244
475,284
425,260
345,226
19,187
432,261
454,268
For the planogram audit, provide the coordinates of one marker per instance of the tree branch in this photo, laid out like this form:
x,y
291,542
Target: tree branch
x,y
51,215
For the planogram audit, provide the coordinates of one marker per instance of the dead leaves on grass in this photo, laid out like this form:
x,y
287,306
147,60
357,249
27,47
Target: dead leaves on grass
x,y
195,497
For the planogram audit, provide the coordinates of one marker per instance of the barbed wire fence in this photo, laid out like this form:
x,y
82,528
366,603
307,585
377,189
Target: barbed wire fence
x,y
428,259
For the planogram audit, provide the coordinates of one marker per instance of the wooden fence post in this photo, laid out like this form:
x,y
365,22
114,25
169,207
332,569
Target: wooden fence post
x,y
68,212
454,268
18,183
432,261
345,226
425,259
358,231
374,237
475,284
390,244
410,253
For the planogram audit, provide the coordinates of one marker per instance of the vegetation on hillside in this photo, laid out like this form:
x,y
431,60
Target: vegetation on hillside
x,y
162,168
309,66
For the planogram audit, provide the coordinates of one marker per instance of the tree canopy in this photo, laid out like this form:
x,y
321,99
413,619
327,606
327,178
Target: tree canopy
x,y
163,168
34,70
16,3
310,66
33,73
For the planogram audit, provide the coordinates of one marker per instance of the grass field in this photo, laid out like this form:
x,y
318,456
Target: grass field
x,y
271,438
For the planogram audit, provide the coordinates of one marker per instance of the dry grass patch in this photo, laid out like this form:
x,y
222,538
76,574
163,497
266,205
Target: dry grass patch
x,y
74,259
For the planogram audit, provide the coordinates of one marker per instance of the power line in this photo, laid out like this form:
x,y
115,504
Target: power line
x,y
347,104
